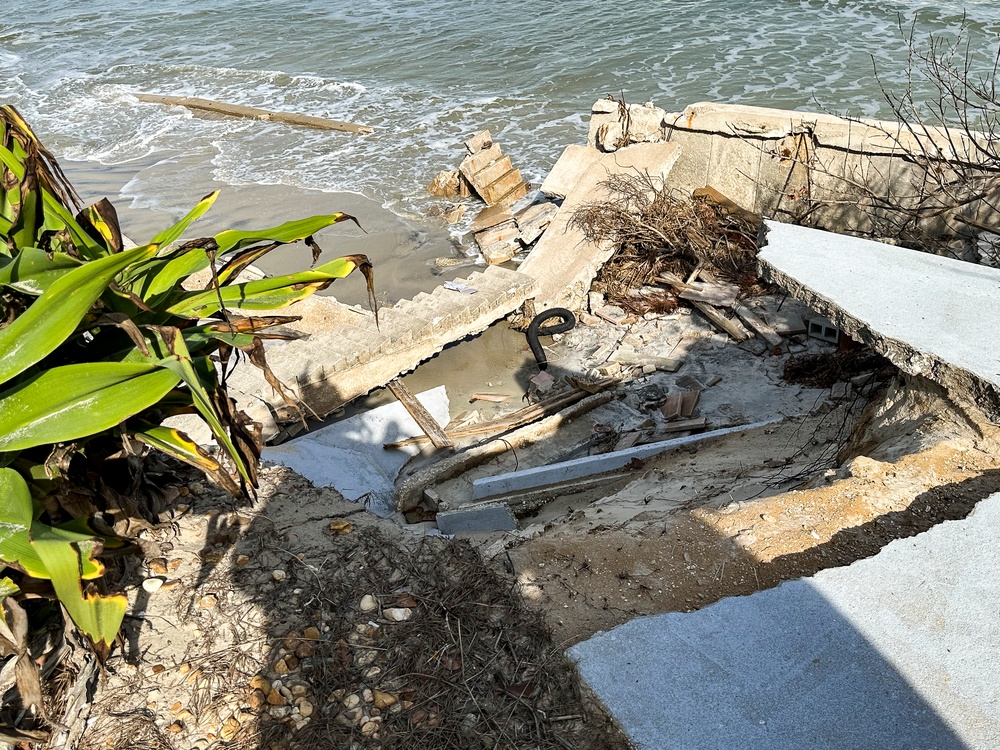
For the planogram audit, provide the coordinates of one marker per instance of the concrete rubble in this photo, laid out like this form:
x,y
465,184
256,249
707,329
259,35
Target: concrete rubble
x,y
563,262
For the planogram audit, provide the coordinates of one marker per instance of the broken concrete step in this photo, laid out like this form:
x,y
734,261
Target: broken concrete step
x,y
502,187
533,220
491,173
507,230
480,141
479,161
569,170
490,217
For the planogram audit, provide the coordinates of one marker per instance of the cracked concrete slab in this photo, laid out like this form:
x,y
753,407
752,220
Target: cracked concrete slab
x,y
899,650
926,314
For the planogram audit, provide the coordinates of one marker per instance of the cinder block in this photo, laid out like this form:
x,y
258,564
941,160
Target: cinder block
x,y
822,329
487,517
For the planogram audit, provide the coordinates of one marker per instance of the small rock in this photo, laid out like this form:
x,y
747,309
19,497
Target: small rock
x,y
371,727
299,690
368,603
279,575
152,585
242,560
259,682
305,709
281,667
279,712
367,695
208,601
340,526
397,614
229,729
275,698
158,566
304,651
257,700
175,728
454,214
352,701
311,633
384,700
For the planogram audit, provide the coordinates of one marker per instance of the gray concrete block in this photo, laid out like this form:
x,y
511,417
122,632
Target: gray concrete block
x,y
895,651
473,518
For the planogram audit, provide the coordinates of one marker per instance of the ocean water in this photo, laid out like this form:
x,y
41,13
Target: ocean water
x,y
426,74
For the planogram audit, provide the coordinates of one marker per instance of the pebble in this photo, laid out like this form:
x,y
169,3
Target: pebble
x,y
279,575
257,700
229,729
305,709
340,526
259,682
158,566
208,601
281,667
242,560
384,700
311,633
398,614
275,698
279,712
368,603
352,701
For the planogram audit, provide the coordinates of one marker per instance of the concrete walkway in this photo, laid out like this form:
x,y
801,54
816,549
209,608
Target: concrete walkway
x,y
928,315
901,650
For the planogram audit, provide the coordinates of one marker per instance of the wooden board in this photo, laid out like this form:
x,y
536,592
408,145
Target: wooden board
x,y
420,415
253,113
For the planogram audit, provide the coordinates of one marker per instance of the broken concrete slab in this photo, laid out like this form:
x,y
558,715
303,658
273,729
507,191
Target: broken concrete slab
x,y
568,170
923,312
502,250
349,456
478,142
517,481
898,650
563,262
346,354
644,123
533,220
506,230
490,217
476,518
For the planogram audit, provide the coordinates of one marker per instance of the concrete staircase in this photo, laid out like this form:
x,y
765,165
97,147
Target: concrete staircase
x,y
348,356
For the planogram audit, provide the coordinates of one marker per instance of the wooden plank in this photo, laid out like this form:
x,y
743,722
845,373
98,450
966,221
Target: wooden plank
x,y
721,322
720,295
420,415
410,492
525,479
767,333
254,113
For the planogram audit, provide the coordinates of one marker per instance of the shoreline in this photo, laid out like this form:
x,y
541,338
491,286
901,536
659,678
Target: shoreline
x,y
152,193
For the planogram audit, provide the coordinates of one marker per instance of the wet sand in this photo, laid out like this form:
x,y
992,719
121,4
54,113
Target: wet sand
x,y
150,194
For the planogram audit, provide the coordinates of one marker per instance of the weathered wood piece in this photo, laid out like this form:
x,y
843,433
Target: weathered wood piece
x,y
766,332
409,493
525,479
254,113
420,415
719,295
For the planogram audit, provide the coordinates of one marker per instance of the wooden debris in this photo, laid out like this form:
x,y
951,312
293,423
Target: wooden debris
x,y
766,332
253,113
495,398
577,468
720,295
420,415
543,408
409,493
730,207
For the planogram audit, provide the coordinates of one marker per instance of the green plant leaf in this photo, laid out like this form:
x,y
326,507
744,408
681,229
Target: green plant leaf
x,y
32,271
175,443
74,401
168,236
290,231
182,365
267,294
51,318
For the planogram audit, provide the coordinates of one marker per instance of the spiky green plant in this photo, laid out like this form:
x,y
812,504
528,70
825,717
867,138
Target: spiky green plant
x,y
98,345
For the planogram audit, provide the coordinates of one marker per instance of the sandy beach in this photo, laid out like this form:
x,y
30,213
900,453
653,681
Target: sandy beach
x,y
403,251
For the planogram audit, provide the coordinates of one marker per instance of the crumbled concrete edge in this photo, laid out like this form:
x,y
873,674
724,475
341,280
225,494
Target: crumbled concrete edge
x,y
970,393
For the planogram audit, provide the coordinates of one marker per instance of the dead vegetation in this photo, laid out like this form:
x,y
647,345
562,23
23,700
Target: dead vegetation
x,y
656,231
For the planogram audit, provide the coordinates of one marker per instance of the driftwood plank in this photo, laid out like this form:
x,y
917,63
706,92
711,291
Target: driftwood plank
x,y
254,113
420,415
767,333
